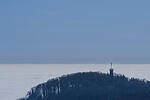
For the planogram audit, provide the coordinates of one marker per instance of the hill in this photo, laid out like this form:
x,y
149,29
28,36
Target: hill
x,y
91,86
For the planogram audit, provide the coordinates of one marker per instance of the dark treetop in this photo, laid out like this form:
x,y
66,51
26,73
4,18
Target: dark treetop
x,y
91,86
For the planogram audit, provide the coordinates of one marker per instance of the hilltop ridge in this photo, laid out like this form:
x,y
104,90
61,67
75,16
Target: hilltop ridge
x,y
91,86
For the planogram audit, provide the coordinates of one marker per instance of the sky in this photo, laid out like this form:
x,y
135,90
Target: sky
x,y
74,31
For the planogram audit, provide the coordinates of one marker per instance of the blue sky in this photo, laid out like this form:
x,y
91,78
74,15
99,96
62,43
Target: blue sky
x,y
74,31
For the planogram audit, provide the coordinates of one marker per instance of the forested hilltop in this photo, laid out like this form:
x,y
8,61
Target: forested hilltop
x,y
91,86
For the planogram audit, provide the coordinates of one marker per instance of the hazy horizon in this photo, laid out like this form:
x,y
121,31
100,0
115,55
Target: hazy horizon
x,y
17,79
